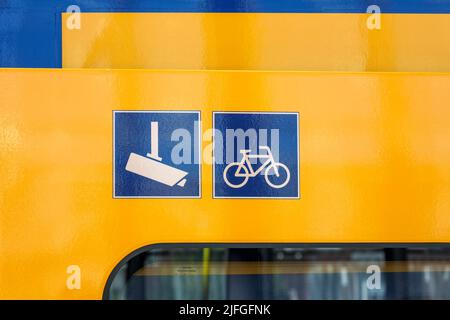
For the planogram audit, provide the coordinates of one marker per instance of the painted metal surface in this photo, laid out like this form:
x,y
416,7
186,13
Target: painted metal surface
x,y
30,31
374,167
261,41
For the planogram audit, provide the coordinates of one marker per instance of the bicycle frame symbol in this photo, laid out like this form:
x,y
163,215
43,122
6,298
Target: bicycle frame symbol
x,y
245,170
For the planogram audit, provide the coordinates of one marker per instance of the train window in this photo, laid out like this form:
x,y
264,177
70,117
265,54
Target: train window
x,y
308,272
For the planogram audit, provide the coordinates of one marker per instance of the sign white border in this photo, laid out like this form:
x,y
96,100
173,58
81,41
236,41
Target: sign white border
x,y
199,154
298,154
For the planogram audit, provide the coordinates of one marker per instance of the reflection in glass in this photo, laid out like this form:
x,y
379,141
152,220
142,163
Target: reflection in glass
x,y
284,273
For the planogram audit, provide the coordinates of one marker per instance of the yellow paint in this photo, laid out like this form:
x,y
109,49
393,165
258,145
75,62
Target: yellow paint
x,y
262,41
375,150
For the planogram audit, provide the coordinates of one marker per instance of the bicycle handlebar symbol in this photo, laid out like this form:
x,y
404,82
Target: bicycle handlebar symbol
x,y
247,173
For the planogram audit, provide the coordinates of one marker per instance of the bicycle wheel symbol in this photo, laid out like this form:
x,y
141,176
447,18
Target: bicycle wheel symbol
x,y
281,170
235,172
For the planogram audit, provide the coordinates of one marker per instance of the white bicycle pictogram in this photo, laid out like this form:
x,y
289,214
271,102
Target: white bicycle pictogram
x,y
248,172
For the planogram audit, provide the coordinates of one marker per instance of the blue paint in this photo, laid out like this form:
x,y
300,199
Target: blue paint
x,y
235,132
30,30
132,134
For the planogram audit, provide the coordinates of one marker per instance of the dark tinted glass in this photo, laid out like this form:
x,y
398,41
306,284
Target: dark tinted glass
x,y
283,273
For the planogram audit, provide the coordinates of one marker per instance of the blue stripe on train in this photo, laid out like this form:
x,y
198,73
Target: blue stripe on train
x,y
30,30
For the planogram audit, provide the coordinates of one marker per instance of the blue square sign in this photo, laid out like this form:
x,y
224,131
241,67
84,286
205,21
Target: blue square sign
x,y
156,154
256,155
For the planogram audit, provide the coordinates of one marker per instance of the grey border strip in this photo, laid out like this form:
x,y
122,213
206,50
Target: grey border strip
x,y
270,245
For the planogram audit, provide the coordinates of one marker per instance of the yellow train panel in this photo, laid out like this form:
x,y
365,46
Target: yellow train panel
x,y
374,167
263,41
